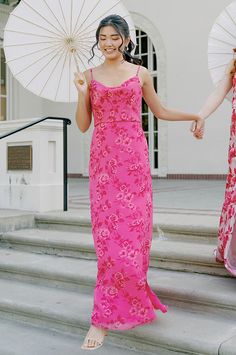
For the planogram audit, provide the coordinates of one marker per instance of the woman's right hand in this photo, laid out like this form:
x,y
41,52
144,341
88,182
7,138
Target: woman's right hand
x,y
197,127
80,82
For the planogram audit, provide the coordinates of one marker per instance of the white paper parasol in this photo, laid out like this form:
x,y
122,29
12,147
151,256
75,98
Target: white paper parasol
x,y
221,42
38,38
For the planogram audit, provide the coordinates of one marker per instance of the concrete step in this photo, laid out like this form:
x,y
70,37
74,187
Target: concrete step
x,y
228,348
11,220
55,242
187,290
187,225
166,254
178,330
170,225
20,338
185,256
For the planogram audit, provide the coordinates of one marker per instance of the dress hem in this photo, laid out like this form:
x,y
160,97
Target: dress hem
x,y
124,328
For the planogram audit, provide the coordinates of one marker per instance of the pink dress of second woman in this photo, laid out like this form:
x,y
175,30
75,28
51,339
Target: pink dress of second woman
x,y
227,227
226,249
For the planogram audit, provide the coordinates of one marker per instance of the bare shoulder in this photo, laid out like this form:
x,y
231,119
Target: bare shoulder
x,y
143,70
144,75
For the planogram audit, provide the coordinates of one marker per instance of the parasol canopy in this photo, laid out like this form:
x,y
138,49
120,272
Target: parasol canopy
x,y
39,36
221,42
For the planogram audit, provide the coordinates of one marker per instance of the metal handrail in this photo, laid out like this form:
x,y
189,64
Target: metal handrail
x,y
66,122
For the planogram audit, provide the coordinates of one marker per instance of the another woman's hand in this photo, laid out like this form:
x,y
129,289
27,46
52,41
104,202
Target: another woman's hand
x,y
197,127
80,82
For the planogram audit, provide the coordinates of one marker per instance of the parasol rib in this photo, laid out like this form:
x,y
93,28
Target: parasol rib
x,y
36,61
28,54
71,9
28,44
85,34
35,24
88,59
220,40
81,60
29,34
52,72
218,66
87,49
89,14
59,82
222,53
101,16
55,17
59,32
81,9
84,42
40,71
86,38
226,10
63,15
224,29
85,57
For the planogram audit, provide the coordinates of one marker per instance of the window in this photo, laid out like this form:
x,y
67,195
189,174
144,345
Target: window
x,y
146,51
3,87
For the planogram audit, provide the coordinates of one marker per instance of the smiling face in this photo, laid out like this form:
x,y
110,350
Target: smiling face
x,y
111,43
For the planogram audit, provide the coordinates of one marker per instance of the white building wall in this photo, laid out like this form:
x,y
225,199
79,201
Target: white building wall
x,y
184,26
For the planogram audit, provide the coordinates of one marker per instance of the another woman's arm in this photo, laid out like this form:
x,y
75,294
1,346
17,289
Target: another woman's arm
x,y
217,96
215,99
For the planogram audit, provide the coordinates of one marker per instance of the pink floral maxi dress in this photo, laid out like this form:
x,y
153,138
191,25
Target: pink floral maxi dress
x,y
227,228
121,207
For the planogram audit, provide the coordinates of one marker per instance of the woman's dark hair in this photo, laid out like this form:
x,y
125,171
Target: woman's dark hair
x,y
122,27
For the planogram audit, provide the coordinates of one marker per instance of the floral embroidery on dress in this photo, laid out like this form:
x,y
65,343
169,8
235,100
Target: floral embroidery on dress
x,y
121,208
227,227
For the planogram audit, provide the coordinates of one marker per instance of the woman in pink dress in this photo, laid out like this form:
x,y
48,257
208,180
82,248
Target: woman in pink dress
x,y
226,249
120,181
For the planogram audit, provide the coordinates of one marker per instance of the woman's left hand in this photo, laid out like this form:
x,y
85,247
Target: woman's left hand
x,y
197,127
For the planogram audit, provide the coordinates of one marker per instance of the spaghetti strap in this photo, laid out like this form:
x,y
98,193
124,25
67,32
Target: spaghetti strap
x,y
138,70
91,72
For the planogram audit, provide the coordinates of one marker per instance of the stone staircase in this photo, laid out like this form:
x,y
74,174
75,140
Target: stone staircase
x,y
48,271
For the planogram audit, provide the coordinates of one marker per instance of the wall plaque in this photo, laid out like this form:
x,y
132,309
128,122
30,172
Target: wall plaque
x,y
19,157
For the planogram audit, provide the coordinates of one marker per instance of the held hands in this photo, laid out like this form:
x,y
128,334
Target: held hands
x,y
197,128
80,82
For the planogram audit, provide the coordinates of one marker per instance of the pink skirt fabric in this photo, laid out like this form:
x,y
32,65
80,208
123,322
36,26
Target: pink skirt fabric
x,y
121,213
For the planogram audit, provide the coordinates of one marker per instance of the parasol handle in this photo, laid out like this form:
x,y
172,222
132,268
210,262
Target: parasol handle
x,y
73,51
